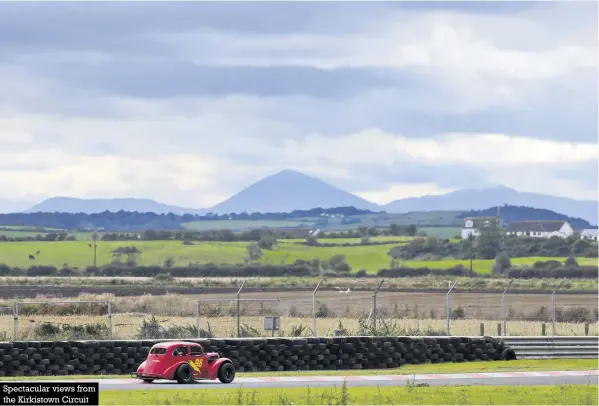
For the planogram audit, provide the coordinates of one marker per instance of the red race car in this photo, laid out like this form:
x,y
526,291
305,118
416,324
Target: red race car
x,y
184,362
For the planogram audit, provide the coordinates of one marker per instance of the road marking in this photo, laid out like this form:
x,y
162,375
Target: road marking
x,y
360,378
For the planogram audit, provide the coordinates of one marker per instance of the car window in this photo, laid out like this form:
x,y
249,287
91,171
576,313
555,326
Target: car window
x,y
195,350
158,351
180,351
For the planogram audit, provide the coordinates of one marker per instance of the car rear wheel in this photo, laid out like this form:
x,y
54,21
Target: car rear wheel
x,y
184,374
226,373
148,380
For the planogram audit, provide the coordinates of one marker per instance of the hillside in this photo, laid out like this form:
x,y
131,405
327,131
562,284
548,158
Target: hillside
x,y
481,199
287,191
509,214
290,190
89,206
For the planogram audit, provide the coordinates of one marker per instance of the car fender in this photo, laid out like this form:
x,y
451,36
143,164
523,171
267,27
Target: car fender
x,y
169,373
140,369
216,365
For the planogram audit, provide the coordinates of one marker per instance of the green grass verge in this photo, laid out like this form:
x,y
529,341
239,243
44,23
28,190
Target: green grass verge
x,y
79,254
402,395
443,368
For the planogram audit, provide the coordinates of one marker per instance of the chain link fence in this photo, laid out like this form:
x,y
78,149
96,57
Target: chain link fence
x,y
288,313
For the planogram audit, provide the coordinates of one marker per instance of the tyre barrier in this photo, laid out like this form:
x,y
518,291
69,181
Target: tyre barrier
x,y
35,358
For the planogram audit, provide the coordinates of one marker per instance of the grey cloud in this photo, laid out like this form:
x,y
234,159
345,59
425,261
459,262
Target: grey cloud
x,y
174,79
444,176
587,174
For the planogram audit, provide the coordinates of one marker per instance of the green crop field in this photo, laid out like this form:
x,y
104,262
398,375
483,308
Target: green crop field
x,y
80,254
238,225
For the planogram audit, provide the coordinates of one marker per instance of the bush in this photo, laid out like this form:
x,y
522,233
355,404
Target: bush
x,y
502,263
571,261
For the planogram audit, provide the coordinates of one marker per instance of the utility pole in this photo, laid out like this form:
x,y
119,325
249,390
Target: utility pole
x,y
95,238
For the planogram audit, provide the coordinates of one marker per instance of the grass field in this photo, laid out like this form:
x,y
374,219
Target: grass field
x,y
403,395
80,254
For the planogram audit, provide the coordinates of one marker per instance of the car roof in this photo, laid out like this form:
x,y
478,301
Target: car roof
x,y
169,344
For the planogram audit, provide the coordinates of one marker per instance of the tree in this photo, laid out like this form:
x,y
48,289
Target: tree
x,y
412,230
254,252
502,263
488,243
267,242
337,263
571,261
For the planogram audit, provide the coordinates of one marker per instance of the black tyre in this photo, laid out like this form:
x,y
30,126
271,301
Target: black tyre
x,y
148,380
184,374
507,354
226,373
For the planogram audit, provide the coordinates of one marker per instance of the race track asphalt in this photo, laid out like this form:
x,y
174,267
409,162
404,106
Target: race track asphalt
x,y
502,379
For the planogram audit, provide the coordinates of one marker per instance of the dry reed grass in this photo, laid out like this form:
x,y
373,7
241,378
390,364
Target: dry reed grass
x,y
486,306
125,326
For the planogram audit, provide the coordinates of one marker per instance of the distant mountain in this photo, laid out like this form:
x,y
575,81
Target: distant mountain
x,y
290,190
76,205
510,214
480,199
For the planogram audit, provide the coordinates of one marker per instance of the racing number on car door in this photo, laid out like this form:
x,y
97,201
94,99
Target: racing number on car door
x,y
197,364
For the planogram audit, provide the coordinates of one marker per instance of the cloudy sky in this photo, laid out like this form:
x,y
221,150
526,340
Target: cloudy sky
x,y
187,103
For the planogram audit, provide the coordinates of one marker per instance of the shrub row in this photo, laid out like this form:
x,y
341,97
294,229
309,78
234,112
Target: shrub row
x,y
32,358
297,270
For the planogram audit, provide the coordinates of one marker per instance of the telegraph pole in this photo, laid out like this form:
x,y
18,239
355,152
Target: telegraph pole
x,y
95,238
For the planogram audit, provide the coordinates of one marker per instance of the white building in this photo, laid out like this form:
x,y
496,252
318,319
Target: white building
x,y
541,228
589,234
473,225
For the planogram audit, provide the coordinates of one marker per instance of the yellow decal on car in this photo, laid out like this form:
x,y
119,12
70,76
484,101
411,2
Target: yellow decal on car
x,y
197,364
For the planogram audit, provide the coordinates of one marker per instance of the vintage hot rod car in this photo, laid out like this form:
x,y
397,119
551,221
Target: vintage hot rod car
x,y
184,362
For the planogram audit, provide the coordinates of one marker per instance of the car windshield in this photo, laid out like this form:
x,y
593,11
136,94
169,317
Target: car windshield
x,y
158,351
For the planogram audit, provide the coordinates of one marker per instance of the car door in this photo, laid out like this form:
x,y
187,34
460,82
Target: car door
x,y
197,360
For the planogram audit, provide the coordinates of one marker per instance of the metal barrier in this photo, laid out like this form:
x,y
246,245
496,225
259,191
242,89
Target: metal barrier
x,y
542,347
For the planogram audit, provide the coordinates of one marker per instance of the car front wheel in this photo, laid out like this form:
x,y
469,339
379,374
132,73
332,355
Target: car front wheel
x,y
184,374
226,373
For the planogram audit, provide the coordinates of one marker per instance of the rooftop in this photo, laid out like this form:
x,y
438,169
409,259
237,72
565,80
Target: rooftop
x,y
547,226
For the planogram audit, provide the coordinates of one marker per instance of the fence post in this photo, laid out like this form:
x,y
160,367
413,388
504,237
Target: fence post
x,y
543,329
374,308
503,305
314,308
586,329
499,329
16,322
109,320
199,333
482,329
448,306
553,307
238,309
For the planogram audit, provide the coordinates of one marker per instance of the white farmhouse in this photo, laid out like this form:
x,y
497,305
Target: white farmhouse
x,y
589,234
541,228
473,225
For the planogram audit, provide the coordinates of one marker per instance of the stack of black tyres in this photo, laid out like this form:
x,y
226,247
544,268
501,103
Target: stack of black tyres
x,y
32,358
